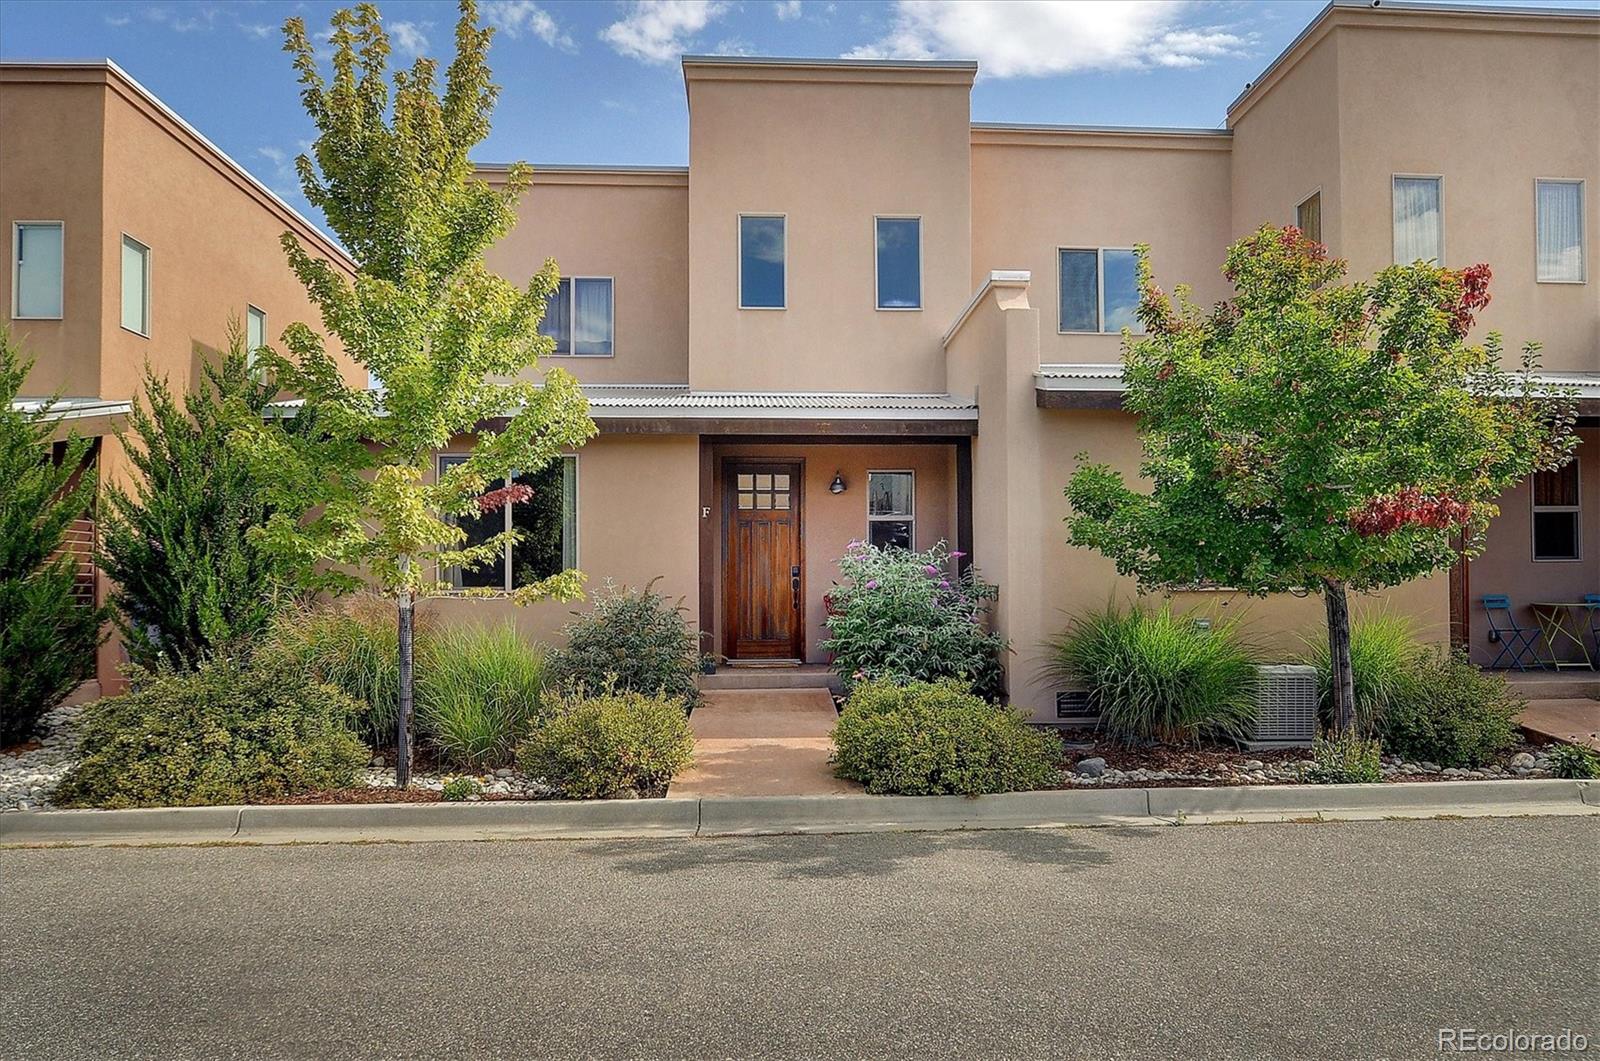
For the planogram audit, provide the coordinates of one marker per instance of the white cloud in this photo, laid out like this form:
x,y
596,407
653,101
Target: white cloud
x,y
516,17
186,19
282,177
410,38
660,32
1041,38
118,20
258,30
788,10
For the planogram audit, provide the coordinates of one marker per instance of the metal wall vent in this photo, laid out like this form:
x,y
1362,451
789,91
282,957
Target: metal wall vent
x,y
1073,708
1286,707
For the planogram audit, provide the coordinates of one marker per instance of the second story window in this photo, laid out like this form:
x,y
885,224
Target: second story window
x,y
1308,217
580,317
1099,290
1556,513
899,262
36,270
255,332
135,286
1560,231
763,247
1418,220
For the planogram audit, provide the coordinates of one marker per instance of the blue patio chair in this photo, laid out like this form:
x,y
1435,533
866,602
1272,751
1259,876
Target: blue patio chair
x,y
1516,641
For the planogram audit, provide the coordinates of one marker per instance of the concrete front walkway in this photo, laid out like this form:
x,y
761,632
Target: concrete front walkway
x,y
762,742
1576,721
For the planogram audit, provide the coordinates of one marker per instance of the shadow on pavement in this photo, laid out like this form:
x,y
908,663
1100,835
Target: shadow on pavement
x,y
863,854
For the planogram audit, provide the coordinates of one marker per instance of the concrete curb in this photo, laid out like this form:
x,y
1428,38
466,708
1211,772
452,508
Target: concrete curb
x,y
770,815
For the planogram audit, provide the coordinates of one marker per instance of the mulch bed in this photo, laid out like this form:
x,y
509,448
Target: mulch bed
x,y
407,795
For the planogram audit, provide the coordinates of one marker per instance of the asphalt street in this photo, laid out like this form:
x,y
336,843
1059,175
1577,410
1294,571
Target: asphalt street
x,y
1348,940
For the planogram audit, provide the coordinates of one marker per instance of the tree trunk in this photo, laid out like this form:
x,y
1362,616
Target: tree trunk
x,y
402,751
1344,687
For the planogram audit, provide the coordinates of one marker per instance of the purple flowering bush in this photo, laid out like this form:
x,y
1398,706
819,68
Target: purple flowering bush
x,y
912,617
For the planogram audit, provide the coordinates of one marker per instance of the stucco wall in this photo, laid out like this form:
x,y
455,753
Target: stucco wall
x,y
1494,112
213,243
1507,566
51,156
632,227
1036,191
829,150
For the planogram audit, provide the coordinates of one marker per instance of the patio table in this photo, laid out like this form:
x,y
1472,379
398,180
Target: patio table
x,y
1560,623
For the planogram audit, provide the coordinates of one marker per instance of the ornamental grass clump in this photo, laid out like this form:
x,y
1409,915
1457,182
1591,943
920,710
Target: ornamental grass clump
x,y
353,646
1345,758
1156,676
913,617
939,738
480,694
1385,657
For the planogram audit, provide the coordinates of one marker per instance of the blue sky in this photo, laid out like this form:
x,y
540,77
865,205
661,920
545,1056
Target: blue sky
x,y
598,82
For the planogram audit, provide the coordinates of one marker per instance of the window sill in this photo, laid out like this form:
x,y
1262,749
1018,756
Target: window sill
x,y
765,309
130,331
1562,283
1558,560
18,317
582,357
899,309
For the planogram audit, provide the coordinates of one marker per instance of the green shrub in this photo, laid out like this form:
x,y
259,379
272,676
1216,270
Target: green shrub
x,y
1574,760
1158,676
939,738
189,577
1385,655
478,693
632,640
1345,759
1453,714
907,616
225,733
459,789
596,747
353,646
48,635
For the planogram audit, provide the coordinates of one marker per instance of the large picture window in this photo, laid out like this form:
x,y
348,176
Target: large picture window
x,y
548,522
1418,220
899,262
891,509
580,317
763,250
1099,290
36,270
1556,513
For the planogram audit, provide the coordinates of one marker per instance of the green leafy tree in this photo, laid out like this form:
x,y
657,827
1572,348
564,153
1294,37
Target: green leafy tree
x,y
1313,434
451,342
190,576
48,634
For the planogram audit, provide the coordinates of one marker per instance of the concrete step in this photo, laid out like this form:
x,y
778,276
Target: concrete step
x,y
1555,685
804,676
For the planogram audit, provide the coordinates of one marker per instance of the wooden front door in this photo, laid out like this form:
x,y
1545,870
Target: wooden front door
x,y
764,614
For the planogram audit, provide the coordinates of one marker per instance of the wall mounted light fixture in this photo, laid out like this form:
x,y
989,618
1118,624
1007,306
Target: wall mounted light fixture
x,y
837,486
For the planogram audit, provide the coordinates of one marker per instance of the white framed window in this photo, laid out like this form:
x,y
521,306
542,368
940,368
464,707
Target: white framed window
x,y
1557,514
1099,290
581,317
1418,219
1308,217
36,270
763,261
892,509
135,286
548,522
897,261
255,332
1559,226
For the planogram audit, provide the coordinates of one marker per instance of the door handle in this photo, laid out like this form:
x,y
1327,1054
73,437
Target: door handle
x,y
794,584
